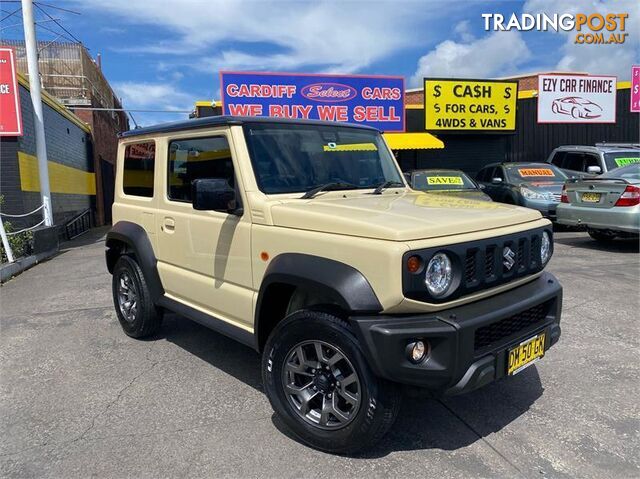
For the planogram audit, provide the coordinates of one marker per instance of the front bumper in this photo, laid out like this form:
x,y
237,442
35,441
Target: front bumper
x,y
546,208
625,218
469,344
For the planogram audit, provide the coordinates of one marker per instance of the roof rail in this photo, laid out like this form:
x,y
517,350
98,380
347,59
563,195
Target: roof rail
x,y
618,145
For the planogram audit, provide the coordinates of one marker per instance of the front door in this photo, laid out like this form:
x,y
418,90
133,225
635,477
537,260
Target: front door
x,y
204,256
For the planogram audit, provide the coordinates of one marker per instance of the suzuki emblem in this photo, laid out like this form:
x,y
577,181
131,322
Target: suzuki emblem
x,y
509,258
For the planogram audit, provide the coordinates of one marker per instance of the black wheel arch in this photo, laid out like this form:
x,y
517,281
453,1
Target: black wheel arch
x,y
346,288
126,237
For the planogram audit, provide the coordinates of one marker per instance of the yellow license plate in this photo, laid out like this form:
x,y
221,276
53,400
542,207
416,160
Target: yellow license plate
x,y
591,197
525,354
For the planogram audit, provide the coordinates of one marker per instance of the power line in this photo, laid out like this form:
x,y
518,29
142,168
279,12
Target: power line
x,y
57,22
11,14
128,110
58,8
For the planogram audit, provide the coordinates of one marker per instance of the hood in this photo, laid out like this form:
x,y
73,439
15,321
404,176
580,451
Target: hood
x,y
399,217
468,194
550,186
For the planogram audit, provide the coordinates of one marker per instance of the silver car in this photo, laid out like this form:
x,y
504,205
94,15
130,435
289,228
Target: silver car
x,y
608,205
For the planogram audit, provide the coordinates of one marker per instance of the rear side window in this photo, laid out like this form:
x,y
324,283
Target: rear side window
x,y
196,158
139,164
557,158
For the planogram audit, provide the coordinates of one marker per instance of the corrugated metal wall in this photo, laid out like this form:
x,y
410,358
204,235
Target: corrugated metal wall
x,y
534,142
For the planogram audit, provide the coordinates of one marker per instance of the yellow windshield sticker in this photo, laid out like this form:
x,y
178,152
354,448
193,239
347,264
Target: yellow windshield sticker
x,y
445,180
627,161
535,172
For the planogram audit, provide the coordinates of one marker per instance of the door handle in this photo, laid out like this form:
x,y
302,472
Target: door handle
x,y
169,224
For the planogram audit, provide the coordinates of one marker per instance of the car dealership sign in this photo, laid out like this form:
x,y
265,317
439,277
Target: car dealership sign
x,y
470,105
635,89
576,99
11,119
368,100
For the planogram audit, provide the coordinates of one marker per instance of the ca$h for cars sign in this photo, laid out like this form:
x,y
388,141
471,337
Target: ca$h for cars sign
x,y
470,105
376,101
11,118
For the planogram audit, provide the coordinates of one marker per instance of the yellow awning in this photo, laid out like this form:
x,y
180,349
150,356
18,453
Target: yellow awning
x,y
412,141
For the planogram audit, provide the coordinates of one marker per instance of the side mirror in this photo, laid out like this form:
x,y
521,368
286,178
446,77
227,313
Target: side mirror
x,y
594,170
496,181
482,187
214,194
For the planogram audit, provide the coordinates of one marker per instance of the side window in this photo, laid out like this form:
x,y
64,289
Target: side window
x,y
558,158
498,173
591,160
574,161
191,159
137,174
483,175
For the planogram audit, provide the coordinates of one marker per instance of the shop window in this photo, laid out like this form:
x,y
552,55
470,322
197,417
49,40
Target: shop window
x,y
197,158
139,163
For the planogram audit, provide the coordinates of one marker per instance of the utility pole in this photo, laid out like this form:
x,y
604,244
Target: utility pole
x,y
36,99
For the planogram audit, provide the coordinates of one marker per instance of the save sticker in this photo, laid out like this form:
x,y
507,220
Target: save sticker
x,y
627,161
535,172
445,180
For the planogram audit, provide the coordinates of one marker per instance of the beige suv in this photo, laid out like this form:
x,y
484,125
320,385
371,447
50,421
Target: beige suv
x,y
302,240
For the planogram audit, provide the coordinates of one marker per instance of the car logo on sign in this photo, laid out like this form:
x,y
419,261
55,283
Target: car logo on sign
x,y
508,258
329,92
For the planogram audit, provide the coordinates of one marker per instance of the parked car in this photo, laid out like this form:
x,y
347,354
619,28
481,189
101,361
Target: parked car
x,y
534,185
584,161
450,182
302,240
608,205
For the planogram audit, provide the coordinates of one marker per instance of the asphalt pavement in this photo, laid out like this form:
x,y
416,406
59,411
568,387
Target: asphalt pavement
x,y
78,398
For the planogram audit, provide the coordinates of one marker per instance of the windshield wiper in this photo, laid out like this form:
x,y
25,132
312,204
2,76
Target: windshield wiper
x,y
327,186
383,186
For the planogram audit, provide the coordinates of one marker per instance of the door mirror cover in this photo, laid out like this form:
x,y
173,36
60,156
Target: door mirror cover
x,y
594,170
496,181
213,194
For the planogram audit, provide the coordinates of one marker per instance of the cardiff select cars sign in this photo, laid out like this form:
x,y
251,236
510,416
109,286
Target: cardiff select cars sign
x,y
376,101
470,105
10,119
576,99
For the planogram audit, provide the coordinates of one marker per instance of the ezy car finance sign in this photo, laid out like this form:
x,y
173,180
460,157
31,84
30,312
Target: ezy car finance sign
x,y
576,99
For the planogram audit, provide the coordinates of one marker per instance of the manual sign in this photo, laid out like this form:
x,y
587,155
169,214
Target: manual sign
x,y
576,99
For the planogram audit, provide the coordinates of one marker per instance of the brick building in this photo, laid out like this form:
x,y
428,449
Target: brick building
x,y
70,163
69,74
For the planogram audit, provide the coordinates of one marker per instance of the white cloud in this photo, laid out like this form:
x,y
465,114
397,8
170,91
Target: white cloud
x,y
154,96
321,35
597,59
498,54
463,29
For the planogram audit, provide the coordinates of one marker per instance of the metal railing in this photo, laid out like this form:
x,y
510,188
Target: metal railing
x,y
78,225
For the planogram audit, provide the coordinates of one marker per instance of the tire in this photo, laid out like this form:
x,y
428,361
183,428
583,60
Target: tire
x,y
353,427
140,318
602,236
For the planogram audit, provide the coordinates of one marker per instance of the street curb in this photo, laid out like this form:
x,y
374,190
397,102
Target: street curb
x,y
9,270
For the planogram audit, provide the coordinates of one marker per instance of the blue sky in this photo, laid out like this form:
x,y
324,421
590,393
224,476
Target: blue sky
x,y
165,55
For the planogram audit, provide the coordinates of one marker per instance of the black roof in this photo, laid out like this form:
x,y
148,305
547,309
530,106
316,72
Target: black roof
x,y
212,121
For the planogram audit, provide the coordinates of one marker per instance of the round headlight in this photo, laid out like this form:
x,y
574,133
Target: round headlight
x,y
545,247
438,275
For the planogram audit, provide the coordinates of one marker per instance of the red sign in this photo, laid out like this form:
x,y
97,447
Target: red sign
x,y
635,89
11,118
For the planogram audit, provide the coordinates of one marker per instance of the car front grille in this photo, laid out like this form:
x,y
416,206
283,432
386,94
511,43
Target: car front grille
x,y
492,334
481,264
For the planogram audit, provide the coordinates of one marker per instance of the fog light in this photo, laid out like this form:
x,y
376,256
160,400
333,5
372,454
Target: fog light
x,y
416,351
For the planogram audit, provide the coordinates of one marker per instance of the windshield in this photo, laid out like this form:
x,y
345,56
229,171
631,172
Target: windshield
x,y
621,158
292,158
441,180
542,172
